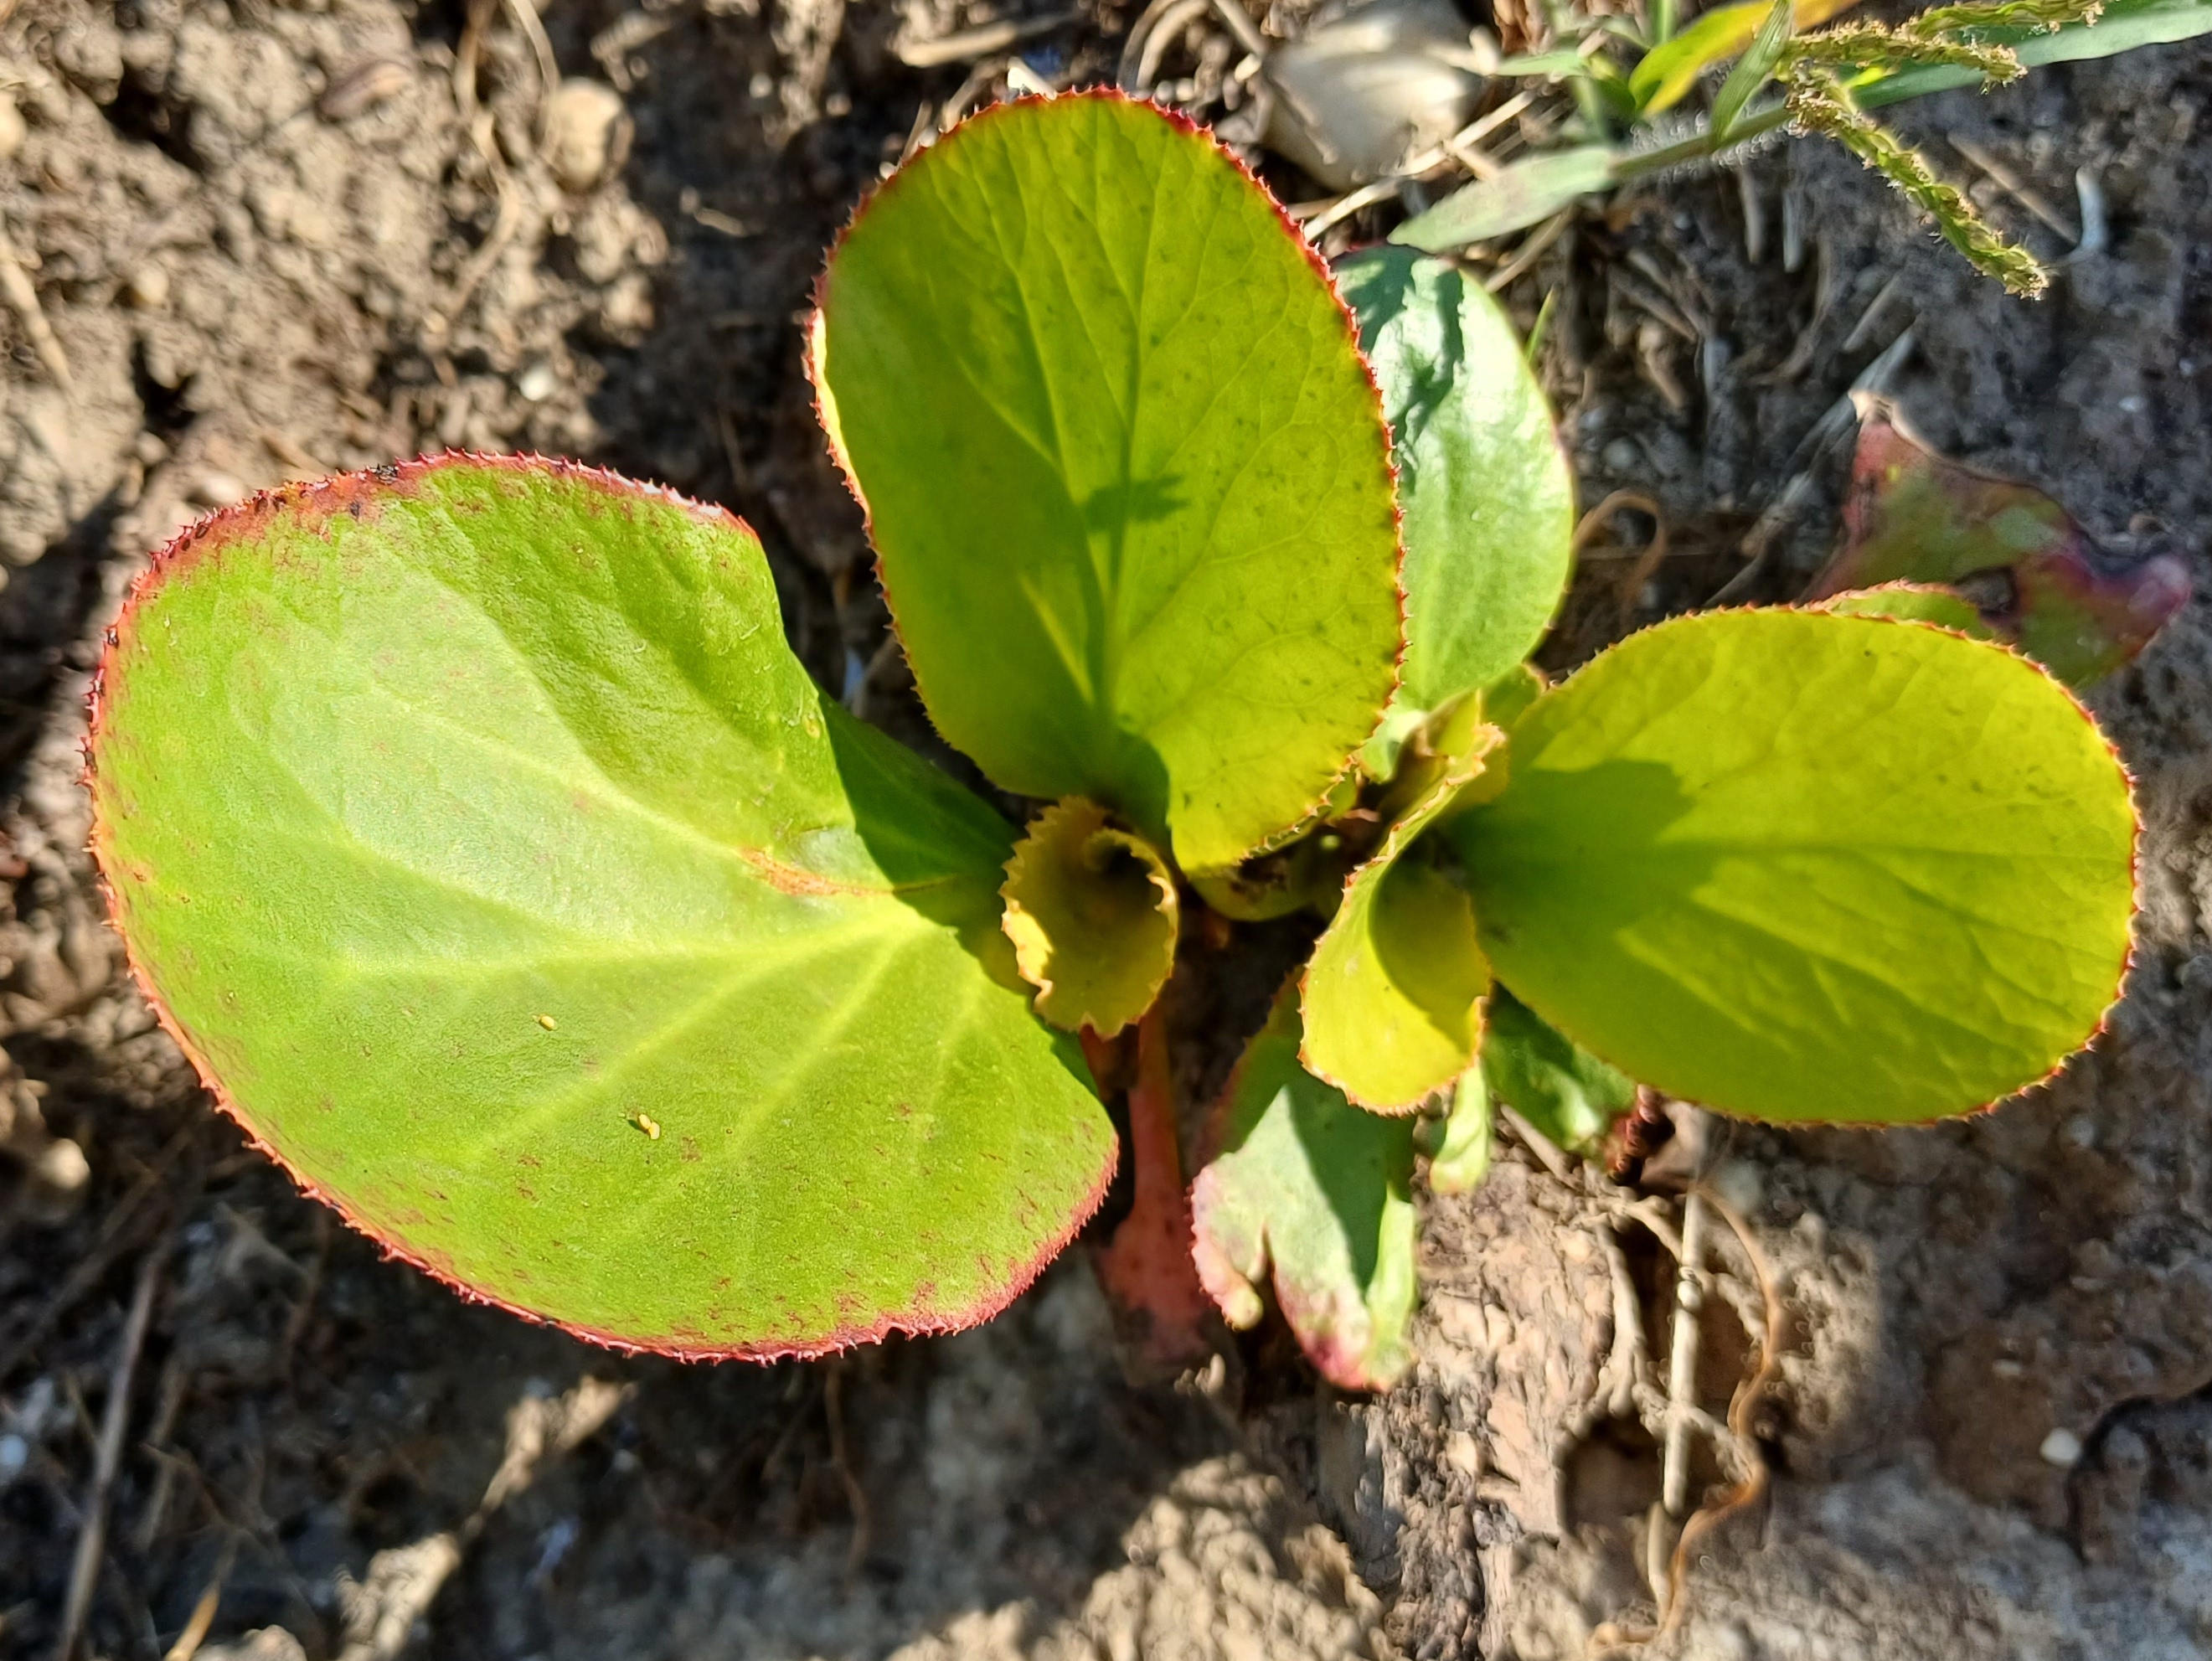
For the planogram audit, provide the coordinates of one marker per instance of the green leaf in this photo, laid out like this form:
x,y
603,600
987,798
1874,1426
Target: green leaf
x,y
1302,1181
1393,998
491,854
1915,516
1504,703
1458,1145
1798,865
1669,71
1517,197
1483,484
2124,26
1562,1089
1127,476
1093,913
1753,69
1912,602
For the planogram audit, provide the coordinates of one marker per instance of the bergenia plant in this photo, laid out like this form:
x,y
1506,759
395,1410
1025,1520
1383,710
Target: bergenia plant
x,y
506,877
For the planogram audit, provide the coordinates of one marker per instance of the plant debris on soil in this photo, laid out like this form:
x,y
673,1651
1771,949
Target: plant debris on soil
x,y
251,241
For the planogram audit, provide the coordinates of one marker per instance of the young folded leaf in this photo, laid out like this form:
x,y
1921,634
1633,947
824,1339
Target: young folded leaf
x,y
1915,516
1093,913
1299,1180
1800,865
1912,602
1483,484
1563,1090
1393,998
1127,474
494,859
1458,1144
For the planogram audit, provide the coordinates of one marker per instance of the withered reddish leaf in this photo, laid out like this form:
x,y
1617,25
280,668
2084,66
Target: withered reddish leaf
x,y
2039,580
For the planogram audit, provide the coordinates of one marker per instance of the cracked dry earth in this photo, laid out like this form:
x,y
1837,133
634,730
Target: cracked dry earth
x,y
265,242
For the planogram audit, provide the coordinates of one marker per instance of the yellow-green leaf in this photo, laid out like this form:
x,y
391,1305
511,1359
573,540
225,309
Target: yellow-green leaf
x,y
1803,866
1393,998
1127,476
1092,911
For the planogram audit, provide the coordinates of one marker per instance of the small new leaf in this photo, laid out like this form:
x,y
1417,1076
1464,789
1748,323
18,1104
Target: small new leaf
x,y
1487,501
1092,911
1458,1145
1552,1082
1393,997
1304,1188
1912,602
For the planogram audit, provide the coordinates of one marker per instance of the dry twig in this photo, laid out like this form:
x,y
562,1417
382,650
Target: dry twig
x,y
963,46
91,1543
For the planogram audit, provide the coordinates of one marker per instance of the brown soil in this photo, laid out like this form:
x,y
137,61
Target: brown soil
x,y
270,243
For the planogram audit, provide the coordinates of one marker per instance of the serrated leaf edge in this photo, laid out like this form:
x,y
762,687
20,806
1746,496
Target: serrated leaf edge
x,y
812,335
207,536
2135,875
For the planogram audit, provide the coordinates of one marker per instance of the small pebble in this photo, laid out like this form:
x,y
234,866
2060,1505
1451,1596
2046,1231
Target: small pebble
x,y
217,491
538,383
547,1022
583,122
2061,1448
148,288
61,1166
1623,455
362,87
14,1454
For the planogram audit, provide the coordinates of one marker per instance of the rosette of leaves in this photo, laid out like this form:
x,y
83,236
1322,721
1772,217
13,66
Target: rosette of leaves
x,y
498,866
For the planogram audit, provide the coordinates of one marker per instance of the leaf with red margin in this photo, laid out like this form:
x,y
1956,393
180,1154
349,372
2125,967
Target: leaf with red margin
x,y
1125,472
1912,602
1303,1186
1809,866
501,868
2039,580
1392,999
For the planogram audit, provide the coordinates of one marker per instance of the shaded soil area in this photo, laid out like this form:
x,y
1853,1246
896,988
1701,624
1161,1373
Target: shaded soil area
x,y
267,242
